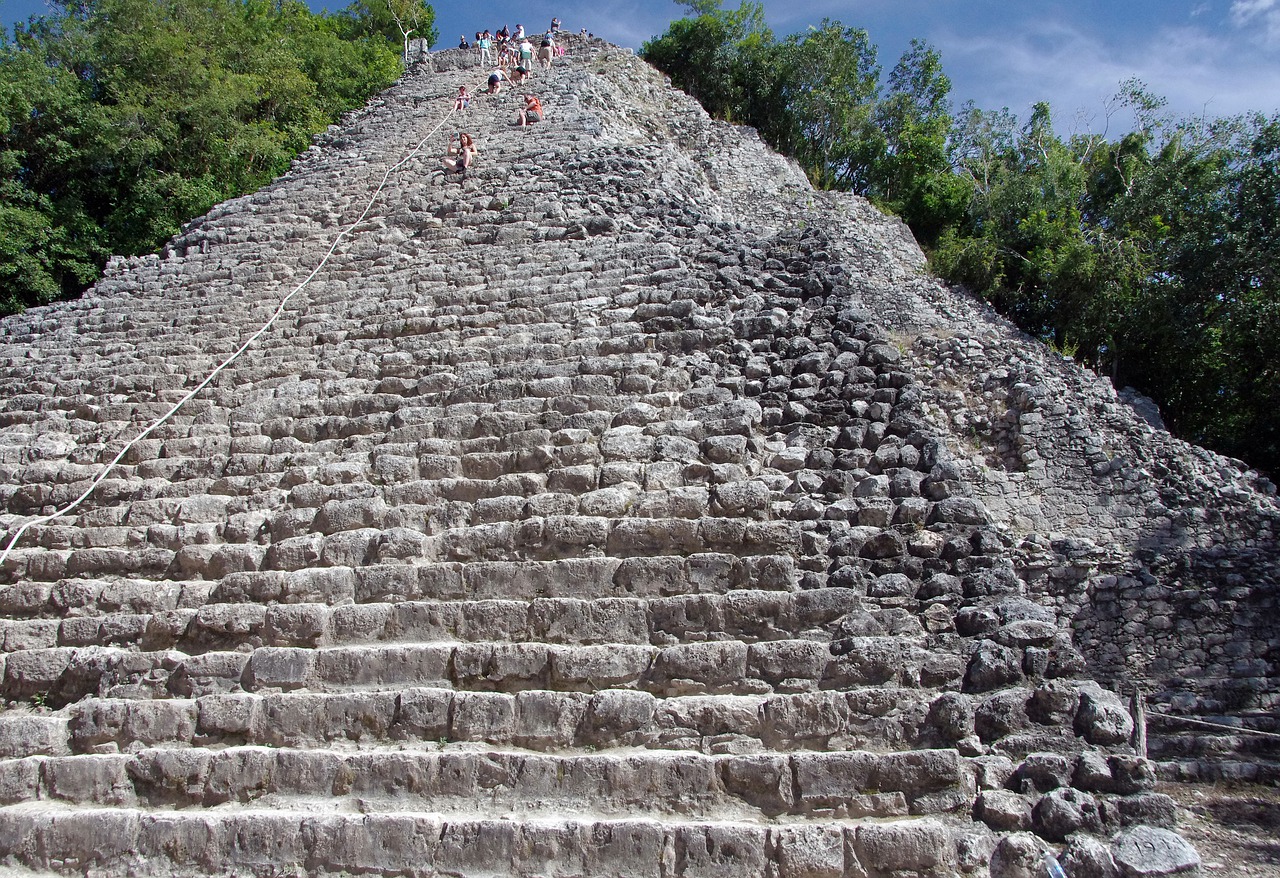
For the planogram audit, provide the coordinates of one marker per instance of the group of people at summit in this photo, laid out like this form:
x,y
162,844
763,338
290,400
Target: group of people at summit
x,y
506,49
511,55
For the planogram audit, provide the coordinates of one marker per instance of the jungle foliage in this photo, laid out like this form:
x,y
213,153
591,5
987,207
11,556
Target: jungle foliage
x,y
122,119
1153,257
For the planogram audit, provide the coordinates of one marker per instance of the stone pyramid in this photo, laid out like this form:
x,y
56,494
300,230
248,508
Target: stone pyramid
x,y
621,507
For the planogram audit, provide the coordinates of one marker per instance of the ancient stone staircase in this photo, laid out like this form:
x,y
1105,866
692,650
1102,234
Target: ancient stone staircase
x,y
586,515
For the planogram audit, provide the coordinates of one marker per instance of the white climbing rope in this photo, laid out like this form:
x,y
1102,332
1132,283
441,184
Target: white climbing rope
x,y
1204,722
4,556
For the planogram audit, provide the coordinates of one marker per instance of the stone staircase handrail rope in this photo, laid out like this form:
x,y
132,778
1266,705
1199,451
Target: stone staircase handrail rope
x,y
1203,722
97,480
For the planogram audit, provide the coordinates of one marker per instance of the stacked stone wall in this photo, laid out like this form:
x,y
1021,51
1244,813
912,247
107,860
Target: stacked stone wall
x,y
622,506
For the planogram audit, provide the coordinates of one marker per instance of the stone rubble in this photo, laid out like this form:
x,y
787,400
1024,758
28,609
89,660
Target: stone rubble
x,y
622,507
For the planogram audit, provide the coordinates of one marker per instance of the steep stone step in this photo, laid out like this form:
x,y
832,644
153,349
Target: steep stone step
x,y
650,784
746,615
349,535
261,840
536,720
584,578
64,674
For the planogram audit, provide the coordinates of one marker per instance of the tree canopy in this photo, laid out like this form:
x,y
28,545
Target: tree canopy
x,y
122,119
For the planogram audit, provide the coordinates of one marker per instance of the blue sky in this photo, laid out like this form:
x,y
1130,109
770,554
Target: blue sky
x,y
1218,57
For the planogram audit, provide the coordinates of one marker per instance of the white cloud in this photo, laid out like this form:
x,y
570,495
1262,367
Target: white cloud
x,y
1077,71
1252,13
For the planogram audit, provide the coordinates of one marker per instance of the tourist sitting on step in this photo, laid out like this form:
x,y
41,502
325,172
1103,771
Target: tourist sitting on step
x,y
555,25
519,31
496,78
463,101
531,112
461,153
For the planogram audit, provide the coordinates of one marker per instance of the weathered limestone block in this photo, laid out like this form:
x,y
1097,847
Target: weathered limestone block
x,y
98,838
630,848
868,661
1144,851
805,720
25,598
574,621
20,779
932,780
227,717
295,624
1003,810
812,852
425,665
1062,812
1131,774
1147,809
765,782
208,673
617,716
347,843
1088,857
788,665
483,716
422,714
97,780
720,851
361,623
131,724
1042,772
921,846
350,548
473,620
587,668
1001,714
504,667
35,672
230,624
1102,717
34,736
171,777
549,721
833,781
1020,855
394,583
700,667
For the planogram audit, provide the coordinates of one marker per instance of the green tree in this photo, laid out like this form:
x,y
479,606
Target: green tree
x,y
703,54
122,119
398,20
913,176
828,82
1036,240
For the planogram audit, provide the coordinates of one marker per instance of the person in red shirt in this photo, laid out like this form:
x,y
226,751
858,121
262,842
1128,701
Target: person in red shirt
x,y
532,111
